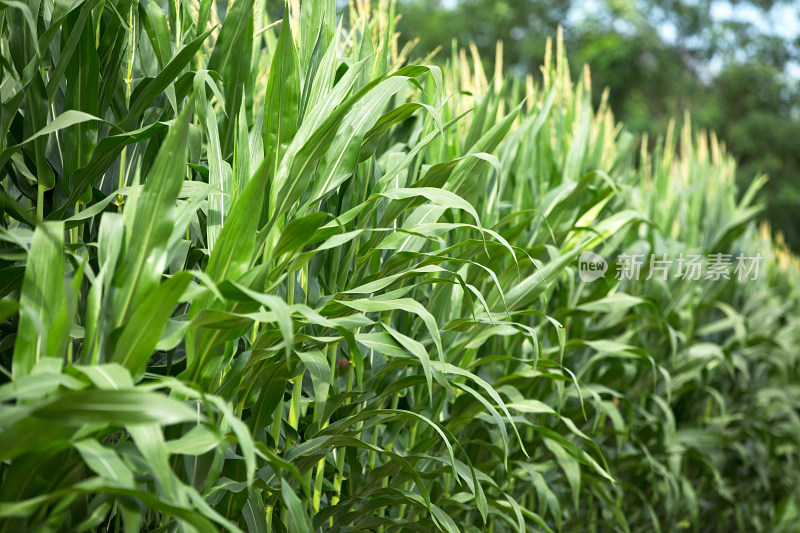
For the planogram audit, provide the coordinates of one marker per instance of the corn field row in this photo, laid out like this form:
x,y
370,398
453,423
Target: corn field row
x,y
276,276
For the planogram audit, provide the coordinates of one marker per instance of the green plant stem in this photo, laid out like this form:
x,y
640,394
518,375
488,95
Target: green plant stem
x,y
40,203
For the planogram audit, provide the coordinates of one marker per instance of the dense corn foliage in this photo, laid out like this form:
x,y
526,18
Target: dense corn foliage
x,y
266,276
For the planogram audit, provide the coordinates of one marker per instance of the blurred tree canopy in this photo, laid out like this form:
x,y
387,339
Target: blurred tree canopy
x,y
728,63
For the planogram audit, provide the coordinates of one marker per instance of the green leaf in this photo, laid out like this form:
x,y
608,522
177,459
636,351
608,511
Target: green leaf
x,y
116,408
297,519
105,462
229,260
231,56
35,120
282,99
44,318
150,225
155,23
320,372
82,94
299,232
183,56
144,328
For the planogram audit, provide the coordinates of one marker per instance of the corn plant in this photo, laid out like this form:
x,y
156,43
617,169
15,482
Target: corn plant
x,y
271,276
